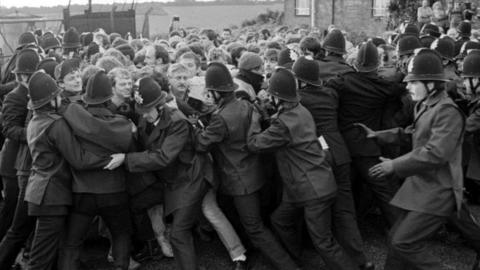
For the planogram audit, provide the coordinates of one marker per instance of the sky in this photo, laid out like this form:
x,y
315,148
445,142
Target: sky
x,y
37,3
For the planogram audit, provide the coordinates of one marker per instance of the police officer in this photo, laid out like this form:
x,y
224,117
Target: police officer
x,y
241,173
308,183
168,151
333,63
99,192
433,189
363,96
322,103
464,30
54,149
15,117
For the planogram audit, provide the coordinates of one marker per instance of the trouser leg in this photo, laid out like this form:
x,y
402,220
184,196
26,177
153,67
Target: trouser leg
x,y
407,242
284,221
48,235
318,220
10,192
468,226
248,208
345,227
382,188
184,220
117,219
19,231
77,228
222,225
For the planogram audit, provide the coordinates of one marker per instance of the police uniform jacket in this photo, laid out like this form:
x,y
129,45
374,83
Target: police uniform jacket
x,y
472,137
14,112
301,161
364,98
333,66
240,171
168,151
322,102
433,169
54,149
103,133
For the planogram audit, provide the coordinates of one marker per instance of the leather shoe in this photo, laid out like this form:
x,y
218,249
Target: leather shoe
x,y
240,265
367,266
148,252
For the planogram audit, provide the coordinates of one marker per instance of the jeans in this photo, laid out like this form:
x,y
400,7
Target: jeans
x,y
222,225
317,215
21,228
10,191
248,209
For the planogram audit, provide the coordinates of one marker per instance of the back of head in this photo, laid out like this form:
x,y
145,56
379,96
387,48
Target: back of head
x,y
335,42
367,58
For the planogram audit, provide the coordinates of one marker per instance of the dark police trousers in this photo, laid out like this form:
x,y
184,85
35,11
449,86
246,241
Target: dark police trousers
x,y
21,228
114,210
248,209
49,233
382,188
317,215
407,242
344,219
10,190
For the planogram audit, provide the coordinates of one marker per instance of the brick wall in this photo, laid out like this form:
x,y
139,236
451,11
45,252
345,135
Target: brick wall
x,y
351,15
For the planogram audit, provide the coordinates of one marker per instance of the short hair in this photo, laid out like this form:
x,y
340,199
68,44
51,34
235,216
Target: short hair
x,y
118,72
181,51
227,30
88,72
117,54
214,54
310,43
177,67
108,63
191,55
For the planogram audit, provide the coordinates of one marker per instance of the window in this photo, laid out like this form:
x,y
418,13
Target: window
x,y
380,8
302,7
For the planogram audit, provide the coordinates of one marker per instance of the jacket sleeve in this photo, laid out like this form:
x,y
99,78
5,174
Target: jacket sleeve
x,y
275,136
446,135
14,113
473,121
161,155
6,88
62,137
397,136
215,132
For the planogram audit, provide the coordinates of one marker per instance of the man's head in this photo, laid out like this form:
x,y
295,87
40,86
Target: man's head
x,y
122,82
191,61
68,76
157,57
227,35
178,76
149,99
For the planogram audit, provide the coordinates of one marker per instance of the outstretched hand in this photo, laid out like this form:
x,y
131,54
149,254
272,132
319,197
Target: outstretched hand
x,y
369,133
382,169
117,161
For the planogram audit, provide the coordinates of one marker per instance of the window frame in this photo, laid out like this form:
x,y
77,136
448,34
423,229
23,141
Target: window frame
x,y
297,9
377,10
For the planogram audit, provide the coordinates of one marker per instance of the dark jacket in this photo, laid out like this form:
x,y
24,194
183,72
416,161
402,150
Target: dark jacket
x,y
240,171
322,103
459,43
333,66
433,169
14,112
169,152
301,161
472,139
103,133
54,147
364,98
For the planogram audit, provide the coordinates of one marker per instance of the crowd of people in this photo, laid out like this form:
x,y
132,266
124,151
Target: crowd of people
x,y
254,136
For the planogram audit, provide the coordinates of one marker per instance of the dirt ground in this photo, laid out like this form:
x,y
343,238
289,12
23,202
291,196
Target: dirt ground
x,y
453,252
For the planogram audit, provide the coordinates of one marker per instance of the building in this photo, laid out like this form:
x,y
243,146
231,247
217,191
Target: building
x,y
352,15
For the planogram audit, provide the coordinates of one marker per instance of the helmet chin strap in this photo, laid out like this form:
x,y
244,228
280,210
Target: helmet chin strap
x,y
474,87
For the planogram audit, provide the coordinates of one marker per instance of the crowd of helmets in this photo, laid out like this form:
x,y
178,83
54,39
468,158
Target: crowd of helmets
x,y
178,63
